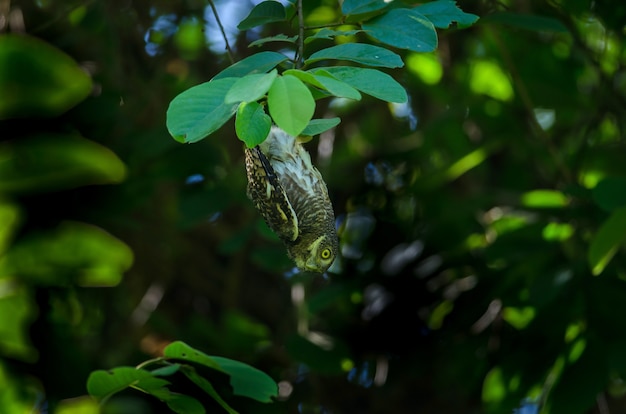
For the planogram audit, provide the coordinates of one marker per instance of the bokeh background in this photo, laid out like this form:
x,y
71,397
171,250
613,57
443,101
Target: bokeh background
x,y
481,224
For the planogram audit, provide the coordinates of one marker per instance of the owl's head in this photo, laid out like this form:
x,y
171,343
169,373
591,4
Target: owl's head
x,y
316,256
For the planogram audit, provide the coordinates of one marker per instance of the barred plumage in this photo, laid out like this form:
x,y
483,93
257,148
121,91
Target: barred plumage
x,y
292,197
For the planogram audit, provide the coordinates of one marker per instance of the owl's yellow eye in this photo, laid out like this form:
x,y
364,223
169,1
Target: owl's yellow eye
x,y
326,254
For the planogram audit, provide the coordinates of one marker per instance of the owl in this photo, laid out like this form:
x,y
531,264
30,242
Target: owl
x,y
292,197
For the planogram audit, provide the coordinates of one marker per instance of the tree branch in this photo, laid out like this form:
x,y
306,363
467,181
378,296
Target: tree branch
x,y
219,23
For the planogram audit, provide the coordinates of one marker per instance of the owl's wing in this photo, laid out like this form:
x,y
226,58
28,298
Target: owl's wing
x,y
269,196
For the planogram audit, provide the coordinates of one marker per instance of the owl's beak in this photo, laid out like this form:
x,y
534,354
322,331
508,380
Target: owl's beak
x,y
311,265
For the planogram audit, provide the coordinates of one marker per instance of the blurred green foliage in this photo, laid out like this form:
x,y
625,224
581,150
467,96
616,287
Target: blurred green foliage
x,y
482,223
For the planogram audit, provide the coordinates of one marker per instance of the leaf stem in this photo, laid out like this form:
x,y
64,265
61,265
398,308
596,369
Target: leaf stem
x,y
150,361
229,51
323,26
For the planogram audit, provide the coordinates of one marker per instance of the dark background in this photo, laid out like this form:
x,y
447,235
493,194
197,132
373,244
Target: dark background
x,y
461,288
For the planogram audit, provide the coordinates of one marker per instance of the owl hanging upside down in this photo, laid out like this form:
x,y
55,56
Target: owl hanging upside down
x,y
292,197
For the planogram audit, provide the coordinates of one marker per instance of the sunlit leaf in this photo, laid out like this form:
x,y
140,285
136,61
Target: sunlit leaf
x,y
324,80
258,63
404,29
265,12
79,405
444,12
290,104
252,124
519,318
486,77
362,53
37,79
370,81
544,199
72,253
200,111
250,88
317,126
605,243
54,162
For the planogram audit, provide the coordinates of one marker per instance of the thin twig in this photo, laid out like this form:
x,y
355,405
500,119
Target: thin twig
x,y
300,53
219,23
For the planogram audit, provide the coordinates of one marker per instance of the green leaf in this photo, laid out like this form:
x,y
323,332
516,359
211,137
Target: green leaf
x,y
290,104
263,13
370,81
37,79
443,12
610,193
248,381
250,88
18,310
604,244
72,253
324,80
183,404
53,162
360,53
10,218
252,124
351,7
404,29
182,351
261,62
544,199
526,22
166,370
278,38
330,34
101,384
200,111
207,387
317,126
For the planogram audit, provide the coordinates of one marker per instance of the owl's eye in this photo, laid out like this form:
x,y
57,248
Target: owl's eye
x,y
326,254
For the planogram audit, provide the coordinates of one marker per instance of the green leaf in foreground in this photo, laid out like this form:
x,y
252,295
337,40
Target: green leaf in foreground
x,y
349,7
330,34
207,387
370,81
102,384
250,88
183,404
248,381
443,12
182,351
607,241
52,162
261,62
252,124
324,80
362,53
265,12
37,79
317,126
200,111
404,29
291,104
278,38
